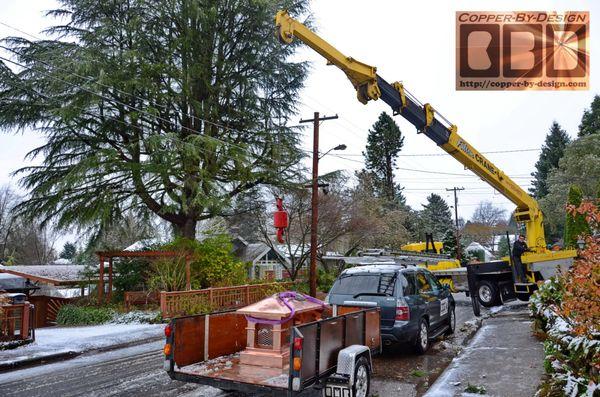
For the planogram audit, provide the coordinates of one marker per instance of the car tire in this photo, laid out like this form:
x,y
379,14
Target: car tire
x,y
422,338
451,321
362,378
488,293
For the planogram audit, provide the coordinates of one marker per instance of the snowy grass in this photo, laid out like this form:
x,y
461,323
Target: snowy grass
x,y
53,340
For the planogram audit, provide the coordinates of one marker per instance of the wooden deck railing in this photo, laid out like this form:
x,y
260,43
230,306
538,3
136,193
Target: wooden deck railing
x,y
216,299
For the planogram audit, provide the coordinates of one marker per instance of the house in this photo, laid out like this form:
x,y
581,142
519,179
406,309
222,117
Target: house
x,y
476,247
16,284
266,261
64,281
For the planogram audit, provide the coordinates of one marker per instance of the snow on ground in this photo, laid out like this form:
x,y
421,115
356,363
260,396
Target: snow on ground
x,y
53,340
83,360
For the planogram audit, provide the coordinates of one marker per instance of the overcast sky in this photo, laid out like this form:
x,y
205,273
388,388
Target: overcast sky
x,y
413,42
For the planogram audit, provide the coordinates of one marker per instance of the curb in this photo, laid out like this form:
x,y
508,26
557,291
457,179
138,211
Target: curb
x,y
62,356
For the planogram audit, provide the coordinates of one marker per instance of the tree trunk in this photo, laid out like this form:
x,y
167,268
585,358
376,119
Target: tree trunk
x,y
186,229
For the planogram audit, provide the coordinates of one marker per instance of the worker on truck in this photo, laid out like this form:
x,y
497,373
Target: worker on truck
x,y
519,248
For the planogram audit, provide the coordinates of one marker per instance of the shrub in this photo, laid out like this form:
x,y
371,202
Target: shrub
x,y
92,315
567,314
167,274
325,280
84,315
212,263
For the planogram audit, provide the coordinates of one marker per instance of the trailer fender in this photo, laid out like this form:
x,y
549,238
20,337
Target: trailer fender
x,y
348,357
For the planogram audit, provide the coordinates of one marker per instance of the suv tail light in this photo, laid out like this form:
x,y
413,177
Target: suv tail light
x,y
402,311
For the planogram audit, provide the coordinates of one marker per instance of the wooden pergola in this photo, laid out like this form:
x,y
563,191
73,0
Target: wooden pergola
x,y
107,256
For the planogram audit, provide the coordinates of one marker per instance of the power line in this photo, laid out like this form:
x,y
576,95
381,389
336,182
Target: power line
x,y
447,154
410,169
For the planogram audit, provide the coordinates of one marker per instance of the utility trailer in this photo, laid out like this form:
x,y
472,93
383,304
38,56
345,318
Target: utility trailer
x,y
329,357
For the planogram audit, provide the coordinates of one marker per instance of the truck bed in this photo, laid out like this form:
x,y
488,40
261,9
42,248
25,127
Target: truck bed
x,y
230,368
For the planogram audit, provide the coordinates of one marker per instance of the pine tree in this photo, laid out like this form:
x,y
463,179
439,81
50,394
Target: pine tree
x,y
436,216
503,247
449,241
575,224
590,122
552,151
69,251
384,142
173,108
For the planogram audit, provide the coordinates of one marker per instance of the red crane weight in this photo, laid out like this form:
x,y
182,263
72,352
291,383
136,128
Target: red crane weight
x,y
280,219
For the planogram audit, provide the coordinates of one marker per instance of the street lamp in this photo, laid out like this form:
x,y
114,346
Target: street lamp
x,y
338,147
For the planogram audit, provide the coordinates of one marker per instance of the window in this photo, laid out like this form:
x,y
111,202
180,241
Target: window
x,y
409,286
423,283
435,284
365,283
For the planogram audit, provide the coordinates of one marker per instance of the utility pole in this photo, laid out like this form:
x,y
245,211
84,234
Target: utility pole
x,y
455,190
315,200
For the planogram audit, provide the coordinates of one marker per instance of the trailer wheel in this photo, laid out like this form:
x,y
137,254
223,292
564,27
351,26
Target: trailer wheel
x,y
488,293
362,378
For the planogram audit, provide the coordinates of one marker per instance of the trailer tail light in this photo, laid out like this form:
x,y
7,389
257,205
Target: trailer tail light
x,y
297,363
402,311
168,330
167,349
298,343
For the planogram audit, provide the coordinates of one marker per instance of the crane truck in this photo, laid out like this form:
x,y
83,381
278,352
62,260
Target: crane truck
x,y
488,283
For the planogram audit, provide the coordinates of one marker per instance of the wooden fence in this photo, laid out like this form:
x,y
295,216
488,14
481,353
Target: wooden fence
x,y
216,299
46,308
140,298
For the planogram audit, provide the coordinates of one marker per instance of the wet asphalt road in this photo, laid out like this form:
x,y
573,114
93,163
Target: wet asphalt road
x,y
133,371
137,371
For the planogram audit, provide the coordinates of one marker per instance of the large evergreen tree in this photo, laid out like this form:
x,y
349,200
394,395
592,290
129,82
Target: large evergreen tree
x,y
174,107
590,122
552,151
436,216
384,142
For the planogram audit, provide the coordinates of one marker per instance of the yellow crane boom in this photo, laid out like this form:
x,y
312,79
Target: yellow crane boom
x,y
370,86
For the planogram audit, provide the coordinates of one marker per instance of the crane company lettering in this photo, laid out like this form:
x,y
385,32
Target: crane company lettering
x,y
462,145
524,50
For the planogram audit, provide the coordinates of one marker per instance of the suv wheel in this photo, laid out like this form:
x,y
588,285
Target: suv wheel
x,y
422,339
451,321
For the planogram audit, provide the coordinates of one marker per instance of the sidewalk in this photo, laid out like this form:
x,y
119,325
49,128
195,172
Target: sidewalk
x,y
58,343
503,358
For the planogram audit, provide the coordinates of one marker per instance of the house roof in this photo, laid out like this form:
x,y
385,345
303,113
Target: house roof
x,y
252,251
47,274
